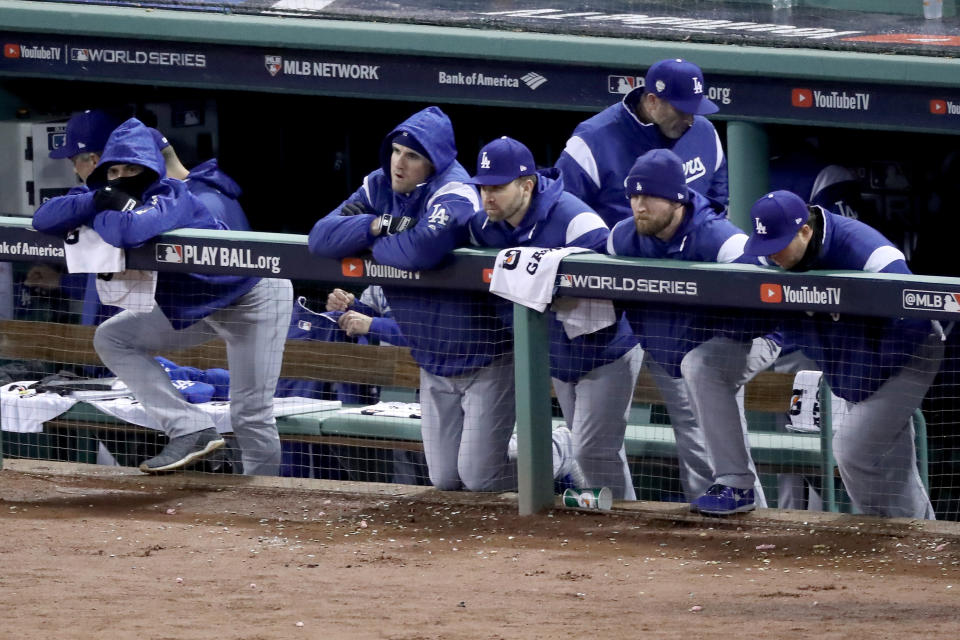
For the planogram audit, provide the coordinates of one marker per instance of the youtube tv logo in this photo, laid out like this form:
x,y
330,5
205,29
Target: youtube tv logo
x,y
802,98
352,267
938,107
771,293
11,51
488,276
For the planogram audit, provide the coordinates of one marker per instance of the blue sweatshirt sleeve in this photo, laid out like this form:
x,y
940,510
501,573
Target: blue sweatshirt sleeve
x,y
439,230
169,206
719,186
387,330
61,214
577,181
338,236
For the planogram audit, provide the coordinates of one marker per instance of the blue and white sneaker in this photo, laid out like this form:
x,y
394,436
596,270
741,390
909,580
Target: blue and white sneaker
x,y
721,500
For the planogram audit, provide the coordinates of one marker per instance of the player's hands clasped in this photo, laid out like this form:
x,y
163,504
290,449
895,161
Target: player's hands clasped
x,y
339,300
392,225
355,208
355,323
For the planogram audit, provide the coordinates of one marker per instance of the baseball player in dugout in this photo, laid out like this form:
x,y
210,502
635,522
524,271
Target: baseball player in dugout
x,y
665,113
411,213
594,373
130,201
878,369
698,357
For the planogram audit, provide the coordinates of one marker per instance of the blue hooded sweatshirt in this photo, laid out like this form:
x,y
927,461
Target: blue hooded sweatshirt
x,y
449,333
560,219
668,332
603,148
168,204
218,193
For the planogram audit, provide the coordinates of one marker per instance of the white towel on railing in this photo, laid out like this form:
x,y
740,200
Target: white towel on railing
x,y
528,276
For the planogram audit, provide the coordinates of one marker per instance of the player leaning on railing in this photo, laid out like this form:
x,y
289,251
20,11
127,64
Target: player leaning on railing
x,y
412,212
878,369
130,202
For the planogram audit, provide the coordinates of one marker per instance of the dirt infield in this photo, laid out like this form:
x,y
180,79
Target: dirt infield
x,y
134,557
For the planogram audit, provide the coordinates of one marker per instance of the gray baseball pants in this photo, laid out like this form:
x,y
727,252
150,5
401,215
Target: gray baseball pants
x,y
466,425
873,440
715,373
596,408
254,328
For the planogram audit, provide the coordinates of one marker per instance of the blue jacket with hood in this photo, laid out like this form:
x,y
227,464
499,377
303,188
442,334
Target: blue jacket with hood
x,y
449,333
218,192
603,148
668,332
168,204
559,219
858,354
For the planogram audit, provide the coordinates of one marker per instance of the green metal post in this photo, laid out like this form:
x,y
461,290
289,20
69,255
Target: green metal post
x,y
534,423
748,161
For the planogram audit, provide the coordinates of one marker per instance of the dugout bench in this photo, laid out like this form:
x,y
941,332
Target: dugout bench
x,y
647,439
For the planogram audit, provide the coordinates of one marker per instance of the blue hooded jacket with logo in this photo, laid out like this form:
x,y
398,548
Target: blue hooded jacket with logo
x,y
560,219
670,331
603,148
857,354
168,204
449,333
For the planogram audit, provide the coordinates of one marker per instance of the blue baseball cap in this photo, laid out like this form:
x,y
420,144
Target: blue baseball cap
x,y
777,217
87,132
658,172
159,138
502,161
681,84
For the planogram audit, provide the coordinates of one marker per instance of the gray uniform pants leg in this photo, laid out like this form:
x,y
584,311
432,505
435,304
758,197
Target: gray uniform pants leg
x,y
715,372
696,472
255,330
127,341
466,425
873,441
596,408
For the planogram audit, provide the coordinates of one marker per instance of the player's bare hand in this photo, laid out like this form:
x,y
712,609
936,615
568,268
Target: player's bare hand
x,y
339,300
355,323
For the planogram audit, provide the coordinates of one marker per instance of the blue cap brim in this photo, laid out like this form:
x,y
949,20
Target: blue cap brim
x,y
63,152
701,107
757,246
491,181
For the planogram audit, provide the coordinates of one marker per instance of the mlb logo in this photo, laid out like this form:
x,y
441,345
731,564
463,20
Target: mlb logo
x,y
623,84
56,138
771,293
565,280
802,98
172,253
11,51
352,267
80,55
273,64
938,107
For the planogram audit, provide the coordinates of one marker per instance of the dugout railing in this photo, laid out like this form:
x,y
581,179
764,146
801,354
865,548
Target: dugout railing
x,y
594,276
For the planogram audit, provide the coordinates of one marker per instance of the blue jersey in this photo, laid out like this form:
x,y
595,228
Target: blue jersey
x,y
558,219
167,205
669,332
449,333
857,355
601,151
